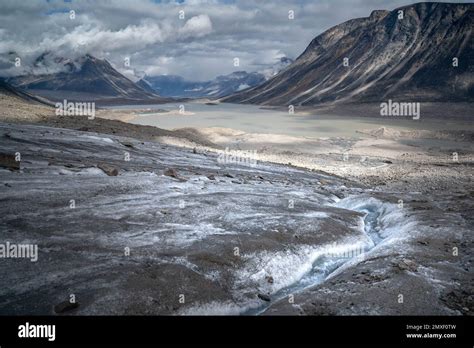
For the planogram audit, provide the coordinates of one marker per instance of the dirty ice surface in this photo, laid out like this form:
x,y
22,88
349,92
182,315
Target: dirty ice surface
x,y
214,238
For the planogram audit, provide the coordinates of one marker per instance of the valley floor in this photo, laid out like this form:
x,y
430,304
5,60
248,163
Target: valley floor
x,y
207,237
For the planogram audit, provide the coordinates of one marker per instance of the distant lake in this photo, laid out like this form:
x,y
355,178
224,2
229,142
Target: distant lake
x,y
254,119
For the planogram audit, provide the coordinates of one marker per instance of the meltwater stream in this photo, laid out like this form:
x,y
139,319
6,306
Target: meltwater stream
x,y
380,221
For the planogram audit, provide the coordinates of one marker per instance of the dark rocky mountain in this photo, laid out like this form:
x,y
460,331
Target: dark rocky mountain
x,y
409,58
9,90
177,86
146,86
85,76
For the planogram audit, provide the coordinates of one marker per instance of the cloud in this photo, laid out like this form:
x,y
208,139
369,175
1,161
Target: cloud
x,y
157,41
197,26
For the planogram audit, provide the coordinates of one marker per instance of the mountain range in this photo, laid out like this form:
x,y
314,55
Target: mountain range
x,y
421,52
84,78
177,86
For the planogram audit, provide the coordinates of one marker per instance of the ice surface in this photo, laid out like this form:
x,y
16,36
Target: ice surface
x,y
221,241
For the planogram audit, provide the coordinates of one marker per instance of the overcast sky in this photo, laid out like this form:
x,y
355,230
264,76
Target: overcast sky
x,y
157,41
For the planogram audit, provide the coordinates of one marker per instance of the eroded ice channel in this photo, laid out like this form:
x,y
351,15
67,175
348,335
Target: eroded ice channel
x,y
380,223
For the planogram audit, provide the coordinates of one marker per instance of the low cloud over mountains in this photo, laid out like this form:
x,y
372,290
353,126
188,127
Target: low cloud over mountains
x,y
199,45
